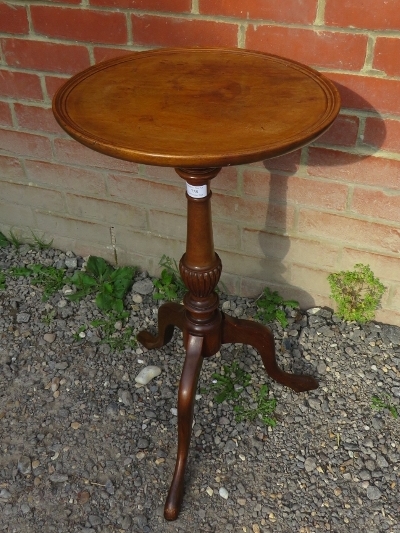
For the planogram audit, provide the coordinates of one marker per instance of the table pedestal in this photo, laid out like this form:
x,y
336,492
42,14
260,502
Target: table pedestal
x,y
205,328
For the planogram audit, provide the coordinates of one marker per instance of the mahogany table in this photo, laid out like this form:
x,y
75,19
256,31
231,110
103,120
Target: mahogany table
x,y
198,110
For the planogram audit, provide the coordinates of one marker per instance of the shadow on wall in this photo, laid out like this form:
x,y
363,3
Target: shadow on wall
x,y
283,250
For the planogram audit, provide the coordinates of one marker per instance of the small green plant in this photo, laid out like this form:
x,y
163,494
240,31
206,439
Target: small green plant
x,y
265,407
15,240
386,403
40,243
357,292
170,285
2,281
110,284
271,306
51,279
116,339
3,240
231,383
48,317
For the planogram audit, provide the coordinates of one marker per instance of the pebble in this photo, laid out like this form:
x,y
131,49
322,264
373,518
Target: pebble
x,y
49,337
334,456
223,493
143,287
24,465
23,318
147,374
373,493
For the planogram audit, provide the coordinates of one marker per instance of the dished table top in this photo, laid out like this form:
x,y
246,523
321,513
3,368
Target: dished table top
x,y
194,107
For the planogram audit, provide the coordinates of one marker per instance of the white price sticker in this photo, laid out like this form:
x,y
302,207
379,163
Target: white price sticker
x,y
196,191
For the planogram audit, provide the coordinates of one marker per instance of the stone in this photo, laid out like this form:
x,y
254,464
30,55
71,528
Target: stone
x,y
147,374
373,493
144,286
58,478
310,464
49,337
223,493
142,444
23,318
137,299
24,465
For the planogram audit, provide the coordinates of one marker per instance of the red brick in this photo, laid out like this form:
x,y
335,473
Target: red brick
x,y
300,11
73,228
387,55
36,118
226,236
67,151
25,144
296,190
310,279
146,192
66,177
5,114
382,133
102,53
386,267
368,14
287,163
351,168
174,6
106,211
255,213
11,168
45,56
377,204
13,19
359,233
32,196
343,132
368,93
166,31
20,85
81,24
53,83
318,48
289,249
68,1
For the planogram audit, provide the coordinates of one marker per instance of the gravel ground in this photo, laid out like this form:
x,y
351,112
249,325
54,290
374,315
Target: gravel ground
x,y
85,449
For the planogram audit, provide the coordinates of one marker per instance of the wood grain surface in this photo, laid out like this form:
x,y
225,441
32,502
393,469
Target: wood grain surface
x,y
195,107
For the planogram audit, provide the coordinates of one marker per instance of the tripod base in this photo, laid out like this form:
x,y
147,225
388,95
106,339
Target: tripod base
x,y
231,330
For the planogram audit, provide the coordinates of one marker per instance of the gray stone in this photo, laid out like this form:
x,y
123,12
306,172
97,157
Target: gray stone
x,y
125,397
71,262
126,522
310,464
144,286
25,465
230,446
95,520
58,478
142,444
23,318
373,493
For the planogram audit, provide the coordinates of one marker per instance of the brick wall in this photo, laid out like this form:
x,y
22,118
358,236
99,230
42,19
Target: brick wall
x,y
285,223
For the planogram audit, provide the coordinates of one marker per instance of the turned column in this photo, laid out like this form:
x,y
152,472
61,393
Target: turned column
x,y
200,266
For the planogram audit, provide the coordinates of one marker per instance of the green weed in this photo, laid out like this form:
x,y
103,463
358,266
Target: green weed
x,y
40,243
3,240
15,240
2,281
51,279
110,284
271,306
230,385
379,404
357,292
116,339
263,410
169,286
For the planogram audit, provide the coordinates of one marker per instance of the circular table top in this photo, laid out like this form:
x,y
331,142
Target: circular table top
x,y
194,107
